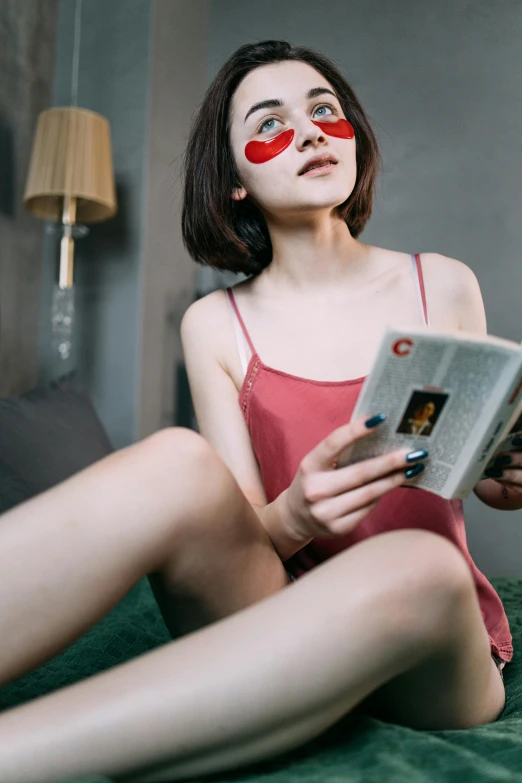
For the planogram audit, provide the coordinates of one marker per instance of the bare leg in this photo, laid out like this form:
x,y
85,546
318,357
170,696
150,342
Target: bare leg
x,y
68,556
253,684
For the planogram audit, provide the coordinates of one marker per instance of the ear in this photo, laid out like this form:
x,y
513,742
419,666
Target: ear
x,y
239,193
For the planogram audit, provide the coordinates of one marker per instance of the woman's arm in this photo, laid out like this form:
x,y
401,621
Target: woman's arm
x,y
218,414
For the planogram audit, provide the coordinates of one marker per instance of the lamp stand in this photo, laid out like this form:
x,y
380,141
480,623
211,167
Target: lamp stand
x,y
65,278
62,311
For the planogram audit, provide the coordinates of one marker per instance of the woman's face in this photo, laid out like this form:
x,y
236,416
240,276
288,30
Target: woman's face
x,y
277,185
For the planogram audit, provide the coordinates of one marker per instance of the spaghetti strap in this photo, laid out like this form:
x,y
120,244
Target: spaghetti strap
x,y
416,261
232,300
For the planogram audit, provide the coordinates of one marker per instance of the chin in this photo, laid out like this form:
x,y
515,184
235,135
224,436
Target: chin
x,y
327,194
290,202
323,201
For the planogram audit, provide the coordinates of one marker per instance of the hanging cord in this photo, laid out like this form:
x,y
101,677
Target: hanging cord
x,y
76,52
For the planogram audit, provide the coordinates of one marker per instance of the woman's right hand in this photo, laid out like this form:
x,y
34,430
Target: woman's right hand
x,y
324,501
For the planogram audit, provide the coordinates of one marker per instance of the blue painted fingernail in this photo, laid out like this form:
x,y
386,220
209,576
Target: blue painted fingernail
x,y
414,471
494,473
504,460
413,456
375,420
517,441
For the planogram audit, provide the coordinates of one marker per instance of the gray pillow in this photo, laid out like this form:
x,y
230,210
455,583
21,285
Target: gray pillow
x,y
47,435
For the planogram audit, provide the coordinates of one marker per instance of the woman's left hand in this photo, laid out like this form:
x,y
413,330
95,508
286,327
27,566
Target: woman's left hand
x,y
506,468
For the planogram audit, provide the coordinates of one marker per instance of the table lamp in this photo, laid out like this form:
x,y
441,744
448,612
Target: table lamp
x,y
71,180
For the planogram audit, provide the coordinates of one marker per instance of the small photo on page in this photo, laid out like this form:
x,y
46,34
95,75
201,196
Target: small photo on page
x,y
422,413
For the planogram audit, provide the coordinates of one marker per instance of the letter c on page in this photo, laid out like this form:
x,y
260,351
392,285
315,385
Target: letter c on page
x,y
402,347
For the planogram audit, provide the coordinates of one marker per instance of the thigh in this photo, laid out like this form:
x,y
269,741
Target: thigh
x,y
221,558
457,690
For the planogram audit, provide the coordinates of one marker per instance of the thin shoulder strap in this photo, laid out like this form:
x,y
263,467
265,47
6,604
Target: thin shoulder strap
x,y
241,336
232,300
417,268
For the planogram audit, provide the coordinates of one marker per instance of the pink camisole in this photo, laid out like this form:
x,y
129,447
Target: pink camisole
x,y
287,416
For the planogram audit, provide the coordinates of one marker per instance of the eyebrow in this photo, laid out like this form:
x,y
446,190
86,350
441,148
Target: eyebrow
x,y
274,103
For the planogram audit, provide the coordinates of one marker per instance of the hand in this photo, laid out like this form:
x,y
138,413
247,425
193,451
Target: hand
x,y
506,468
324,501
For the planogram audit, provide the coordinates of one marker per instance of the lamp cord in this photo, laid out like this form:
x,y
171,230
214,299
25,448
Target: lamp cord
x,y
76,52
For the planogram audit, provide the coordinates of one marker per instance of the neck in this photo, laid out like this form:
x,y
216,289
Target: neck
x,y
311,253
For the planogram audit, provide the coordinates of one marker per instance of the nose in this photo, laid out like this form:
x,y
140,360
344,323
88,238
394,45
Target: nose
x,y
308,135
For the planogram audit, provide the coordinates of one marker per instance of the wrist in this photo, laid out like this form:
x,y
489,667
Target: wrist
x,y
497,495
279,524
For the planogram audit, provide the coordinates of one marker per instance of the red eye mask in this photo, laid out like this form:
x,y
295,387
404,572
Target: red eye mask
x,y
341,129
263,151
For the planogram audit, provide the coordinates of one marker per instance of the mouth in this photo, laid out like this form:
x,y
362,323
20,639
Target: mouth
x,y
319,163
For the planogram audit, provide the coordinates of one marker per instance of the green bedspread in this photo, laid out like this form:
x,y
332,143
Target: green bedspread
x,y
359,749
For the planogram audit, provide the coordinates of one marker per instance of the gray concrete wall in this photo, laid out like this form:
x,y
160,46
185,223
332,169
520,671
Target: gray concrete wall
x,y
442,83
27,38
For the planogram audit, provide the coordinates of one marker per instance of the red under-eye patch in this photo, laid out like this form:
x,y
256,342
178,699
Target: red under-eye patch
x,y
262,151
341,129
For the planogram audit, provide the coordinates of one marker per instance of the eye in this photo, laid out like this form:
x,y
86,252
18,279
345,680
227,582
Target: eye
x,y
325,110
266,125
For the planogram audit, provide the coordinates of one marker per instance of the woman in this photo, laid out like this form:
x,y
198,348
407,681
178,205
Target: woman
x,y
281,167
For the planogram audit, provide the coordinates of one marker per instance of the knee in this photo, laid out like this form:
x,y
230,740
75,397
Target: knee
x,y
173,450
205,506
437,585
432,560
422,583
185,462
168,441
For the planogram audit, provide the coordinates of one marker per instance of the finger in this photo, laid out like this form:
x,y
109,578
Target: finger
x,y
514,456
506,458
501,470
324,455
498,468
327,484
349,522
330,509
513,477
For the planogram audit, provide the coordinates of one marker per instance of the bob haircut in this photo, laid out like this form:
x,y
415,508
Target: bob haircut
x,y
232,235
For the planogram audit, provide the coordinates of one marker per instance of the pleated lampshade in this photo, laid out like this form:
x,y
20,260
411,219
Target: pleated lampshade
x,y
71,157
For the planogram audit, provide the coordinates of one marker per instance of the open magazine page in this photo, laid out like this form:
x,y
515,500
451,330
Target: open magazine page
x,y
439,392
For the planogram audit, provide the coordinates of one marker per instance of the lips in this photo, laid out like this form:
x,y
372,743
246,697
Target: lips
x,y
317,162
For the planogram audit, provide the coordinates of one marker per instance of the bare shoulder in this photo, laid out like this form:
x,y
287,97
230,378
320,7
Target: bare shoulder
x,y
202,309
207,328
445,271
454,289
206,323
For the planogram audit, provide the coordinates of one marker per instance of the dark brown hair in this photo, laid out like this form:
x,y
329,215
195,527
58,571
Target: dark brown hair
x,y
233,235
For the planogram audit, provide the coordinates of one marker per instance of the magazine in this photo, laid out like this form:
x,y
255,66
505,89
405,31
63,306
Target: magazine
x,y
458,395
